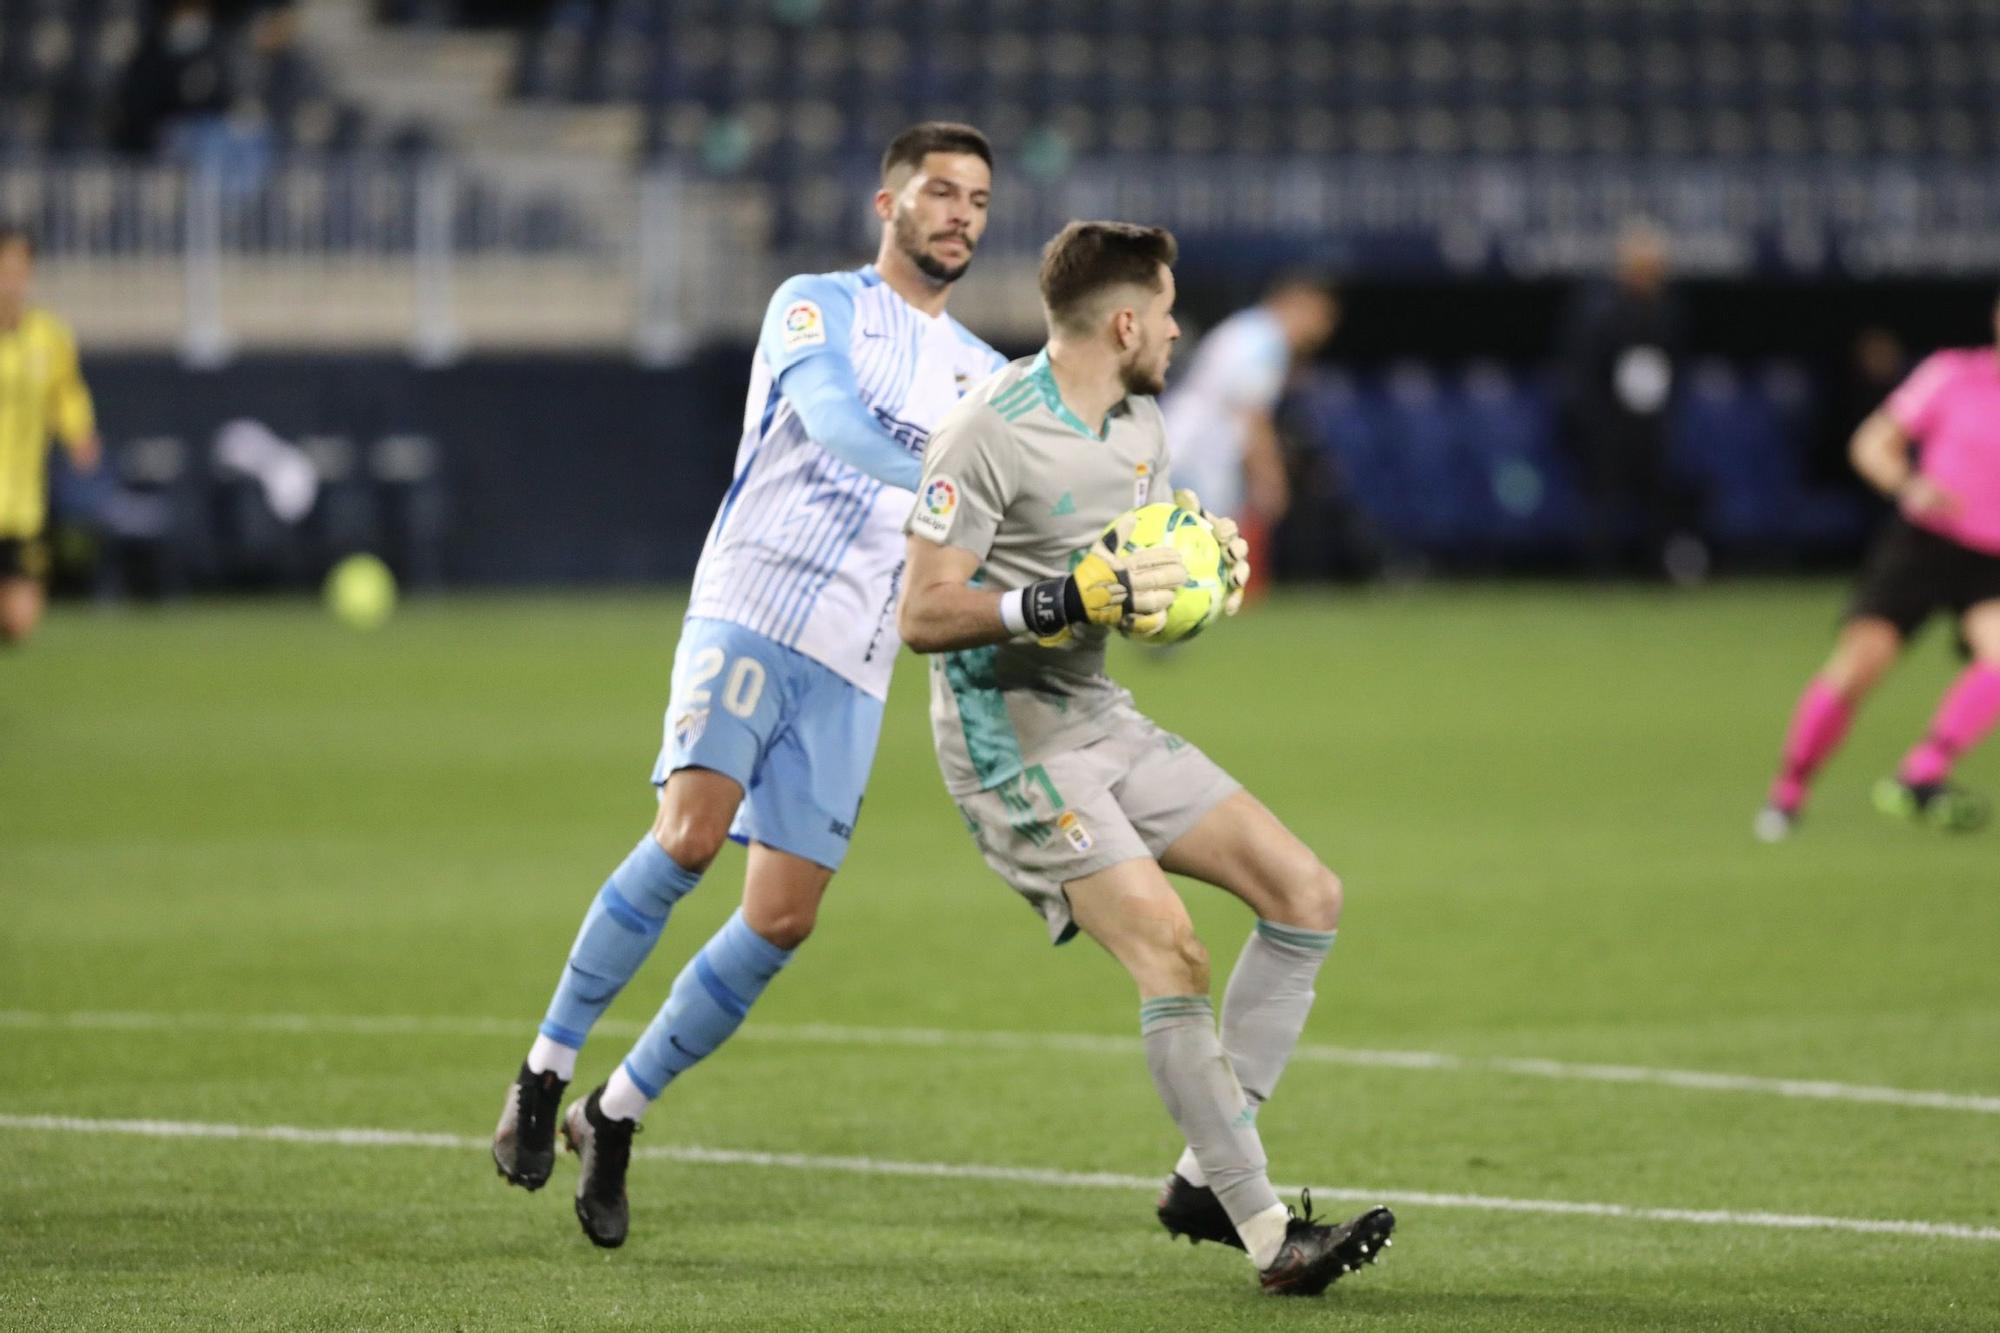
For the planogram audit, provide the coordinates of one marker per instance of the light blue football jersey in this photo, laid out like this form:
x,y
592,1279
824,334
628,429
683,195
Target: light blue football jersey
x,y
806,549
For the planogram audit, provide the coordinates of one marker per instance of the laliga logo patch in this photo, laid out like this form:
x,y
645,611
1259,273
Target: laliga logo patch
x,y
689,726
936,504
1073,829
804,326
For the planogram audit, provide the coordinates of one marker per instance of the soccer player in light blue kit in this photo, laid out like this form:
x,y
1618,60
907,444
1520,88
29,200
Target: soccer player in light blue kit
x,y
783,662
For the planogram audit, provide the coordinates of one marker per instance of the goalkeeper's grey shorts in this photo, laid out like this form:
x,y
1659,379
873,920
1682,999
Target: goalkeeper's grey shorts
x,y
1123,797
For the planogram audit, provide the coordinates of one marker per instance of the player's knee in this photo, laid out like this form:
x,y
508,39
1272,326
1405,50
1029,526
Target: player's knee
x,y
1847,677
1865,654
788,930
691,837
1184,961
1318,901
1298,891
786,925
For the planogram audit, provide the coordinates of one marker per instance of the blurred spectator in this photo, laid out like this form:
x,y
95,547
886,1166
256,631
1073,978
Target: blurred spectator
x,y
1622,349
180,77
1325,535
1222,430
284,78
537,21
219,81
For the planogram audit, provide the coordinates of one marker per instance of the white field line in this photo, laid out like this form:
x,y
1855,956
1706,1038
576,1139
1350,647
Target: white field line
x,y
828,1034
1013,1175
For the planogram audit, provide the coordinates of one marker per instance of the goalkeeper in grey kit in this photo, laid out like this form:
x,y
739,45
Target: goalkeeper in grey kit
x,y
1075,797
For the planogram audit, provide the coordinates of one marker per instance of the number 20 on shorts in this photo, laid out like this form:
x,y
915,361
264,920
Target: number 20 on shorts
x,y
740,691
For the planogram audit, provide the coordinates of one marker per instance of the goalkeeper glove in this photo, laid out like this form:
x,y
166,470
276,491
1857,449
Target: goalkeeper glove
x,y
1235,551
1107,587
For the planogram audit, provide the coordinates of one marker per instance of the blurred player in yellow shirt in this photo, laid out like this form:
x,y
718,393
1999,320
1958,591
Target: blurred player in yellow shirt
x,y
41,395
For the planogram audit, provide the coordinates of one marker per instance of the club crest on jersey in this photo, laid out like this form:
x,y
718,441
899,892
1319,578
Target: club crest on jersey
x,y
689,726
1073,830
1142,486
804,326
935,507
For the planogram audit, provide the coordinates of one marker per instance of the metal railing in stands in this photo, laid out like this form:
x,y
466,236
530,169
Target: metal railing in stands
x,y
441,257
437,257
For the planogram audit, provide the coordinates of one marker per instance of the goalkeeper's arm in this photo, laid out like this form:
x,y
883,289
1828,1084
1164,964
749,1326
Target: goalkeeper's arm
x,y
941,611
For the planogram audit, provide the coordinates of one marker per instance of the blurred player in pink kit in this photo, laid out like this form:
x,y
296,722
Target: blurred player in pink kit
x,y
1934,447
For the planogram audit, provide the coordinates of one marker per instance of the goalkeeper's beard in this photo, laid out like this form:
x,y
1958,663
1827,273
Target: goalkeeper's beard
x,y
1138,377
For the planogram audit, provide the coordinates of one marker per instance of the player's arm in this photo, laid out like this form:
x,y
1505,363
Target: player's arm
x,y
1880,452
69,406
1883,449
1265,485
942,611
969,481
805,339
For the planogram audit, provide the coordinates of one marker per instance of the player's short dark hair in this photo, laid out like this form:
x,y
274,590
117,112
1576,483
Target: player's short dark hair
x,y
912,146
1308,280
1086,258
16,233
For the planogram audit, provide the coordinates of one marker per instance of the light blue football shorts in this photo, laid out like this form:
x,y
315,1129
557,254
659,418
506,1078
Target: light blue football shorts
x,y
798,736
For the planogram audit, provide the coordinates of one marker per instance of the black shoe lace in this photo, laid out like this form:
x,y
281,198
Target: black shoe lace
x,y
613,1156
1306,1203
533,1106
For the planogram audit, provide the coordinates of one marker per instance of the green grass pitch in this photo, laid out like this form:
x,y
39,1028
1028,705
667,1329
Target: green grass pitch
x,y
232,834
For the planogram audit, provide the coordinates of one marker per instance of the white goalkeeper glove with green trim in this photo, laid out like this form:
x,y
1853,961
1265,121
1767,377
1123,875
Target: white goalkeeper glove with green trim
x,y
1235,551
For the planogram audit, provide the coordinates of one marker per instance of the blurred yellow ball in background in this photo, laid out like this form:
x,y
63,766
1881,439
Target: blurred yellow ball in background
x,y
361,591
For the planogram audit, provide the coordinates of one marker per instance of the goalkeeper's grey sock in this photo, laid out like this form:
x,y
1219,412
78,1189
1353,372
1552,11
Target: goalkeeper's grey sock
x,y
1264,1009
1207,1103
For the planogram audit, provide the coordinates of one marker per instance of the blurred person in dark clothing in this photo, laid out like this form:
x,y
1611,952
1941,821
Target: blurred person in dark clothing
x,y
592,21
284,78
180,73
1622,349
1324,534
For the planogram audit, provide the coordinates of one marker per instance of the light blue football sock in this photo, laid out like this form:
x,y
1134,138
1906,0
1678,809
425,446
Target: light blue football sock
x,y
708,1002
618,932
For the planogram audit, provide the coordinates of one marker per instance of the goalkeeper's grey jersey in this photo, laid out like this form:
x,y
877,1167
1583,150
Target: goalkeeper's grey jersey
x,y
1014,477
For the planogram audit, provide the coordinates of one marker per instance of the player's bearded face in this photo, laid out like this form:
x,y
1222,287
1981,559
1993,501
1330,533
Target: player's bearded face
x,y
920,237
940,214
1144,369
